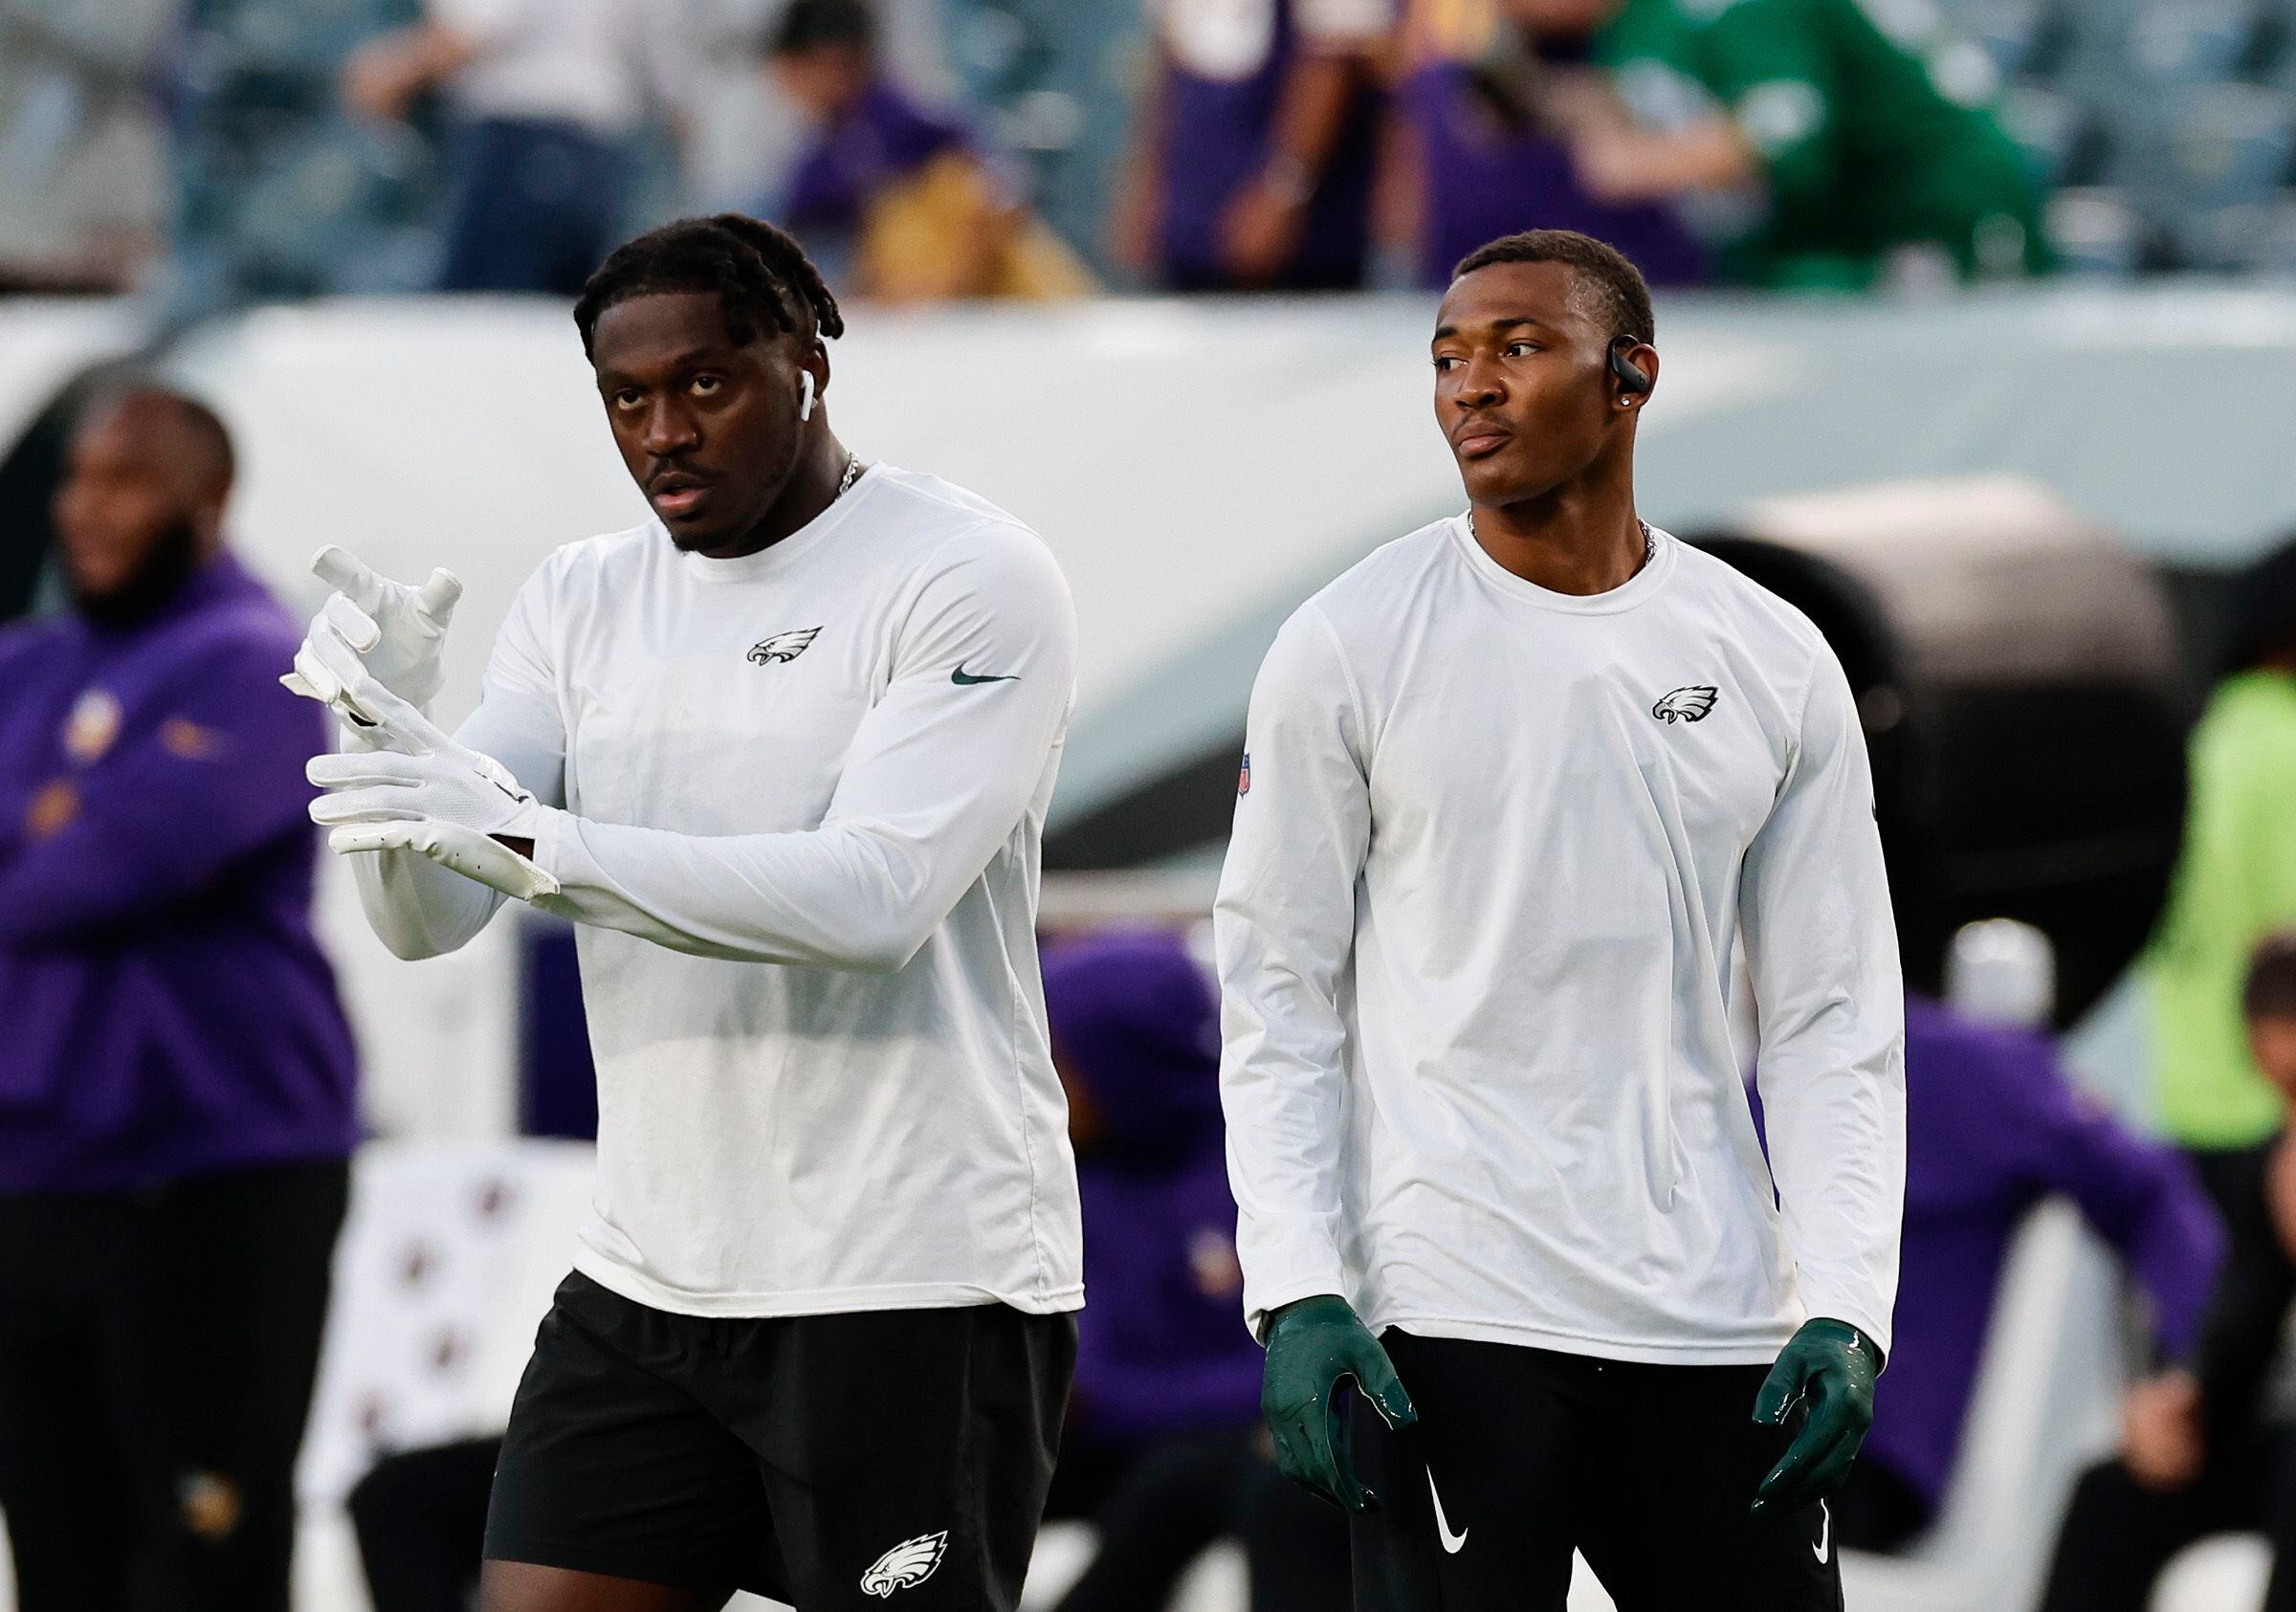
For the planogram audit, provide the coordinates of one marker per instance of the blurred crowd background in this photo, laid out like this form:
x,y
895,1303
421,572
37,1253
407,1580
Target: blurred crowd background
x,y
1979,331
220,150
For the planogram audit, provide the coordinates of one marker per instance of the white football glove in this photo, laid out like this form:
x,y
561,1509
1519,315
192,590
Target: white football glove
x,y
399,634
466,851
424,792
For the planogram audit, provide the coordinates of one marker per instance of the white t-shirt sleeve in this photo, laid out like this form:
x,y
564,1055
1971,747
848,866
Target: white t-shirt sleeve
x,y
1284,928
1344,24
419,908
1821,952
939,775
486,23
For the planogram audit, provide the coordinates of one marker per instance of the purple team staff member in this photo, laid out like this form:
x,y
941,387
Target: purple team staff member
x,y
1993,1126
1163,1448
1255,164
176,1101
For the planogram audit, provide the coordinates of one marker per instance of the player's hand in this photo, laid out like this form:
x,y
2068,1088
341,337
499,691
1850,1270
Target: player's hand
x,y
1830,1366
462,851
398,632
1312,1344
423,775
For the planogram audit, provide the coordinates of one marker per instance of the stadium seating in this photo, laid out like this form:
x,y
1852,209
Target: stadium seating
x,y
2185,108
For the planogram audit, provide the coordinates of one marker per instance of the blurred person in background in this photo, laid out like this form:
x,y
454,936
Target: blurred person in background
x,y
2202,1452
176,1102
2234,882
1815,143
898,201
1478,149
1162,1450
547,96
1252,169
1991,1127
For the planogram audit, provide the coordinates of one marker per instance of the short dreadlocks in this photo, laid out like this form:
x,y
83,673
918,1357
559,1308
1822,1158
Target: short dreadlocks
x,y
763,280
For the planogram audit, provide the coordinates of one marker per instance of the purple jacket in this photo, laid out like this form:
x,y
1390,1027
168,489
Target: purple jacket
x,y
1480,182
1993,1126
1219,136
884,139
167,1011
1161,1346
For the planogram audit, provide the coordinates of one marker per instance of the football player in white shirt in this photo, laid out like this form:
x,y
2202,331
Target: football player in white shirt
x,y
1525,792
784,752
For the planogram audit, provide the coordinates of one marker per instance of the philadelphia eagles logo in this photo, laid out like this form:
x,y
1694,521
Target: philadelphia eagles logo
x,y
1686,704
912,1561
783,646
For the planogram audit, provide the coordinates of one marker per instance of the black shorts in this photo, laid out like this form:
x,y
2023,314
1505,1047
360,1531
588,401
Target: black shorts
x,y
821,1460
1520,1454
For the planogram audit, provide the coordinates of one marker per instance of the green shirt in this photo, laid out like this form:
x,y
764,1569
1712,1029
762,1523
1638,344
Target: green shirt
x,y
2236,881
1868,140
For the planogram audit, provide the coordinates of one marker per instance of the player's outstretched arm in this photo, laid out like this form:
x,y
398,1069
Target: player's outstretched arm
x,y
1822,950
939,776
1284,928
1315,1344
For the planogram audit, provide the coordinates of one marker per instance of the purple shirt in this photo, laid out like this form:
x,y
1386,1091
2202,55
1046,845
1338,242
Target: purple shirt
x,y
883,139
1161,1346
1992,1126
167,1011
1481,181
1218,137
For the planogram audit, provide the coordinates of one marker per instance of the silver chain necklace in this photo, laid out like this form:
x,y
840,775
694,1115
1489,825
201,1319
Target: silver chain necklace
x,y
853,474
1649,542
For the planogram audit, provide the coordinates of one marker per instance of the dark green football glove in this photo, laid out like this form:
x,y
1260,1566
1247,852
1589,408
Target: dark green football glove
x,y
1830,1366
1313,1343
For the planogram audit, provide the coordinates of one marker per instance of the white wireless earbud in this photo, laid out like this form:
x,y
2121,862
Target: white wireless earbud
x,y
805,409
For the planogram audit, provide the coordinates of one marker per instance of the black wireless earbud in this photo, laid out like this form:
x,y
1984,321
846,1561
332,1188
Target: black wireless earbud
x,y
1630,378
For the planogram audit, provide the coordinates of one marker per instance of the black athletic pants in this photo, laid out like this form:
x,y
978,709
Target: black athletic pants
x,y
157,1350
1520,1454
1158,1504
2118,1534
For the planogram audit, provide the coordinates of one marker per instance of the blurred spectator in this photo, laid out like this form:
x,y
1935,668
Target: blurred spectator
x,y
176,1104
1481,152
547,94
1814,148
2235,881
1163,1448
1993,1126
2200,1454
1253,167
895,200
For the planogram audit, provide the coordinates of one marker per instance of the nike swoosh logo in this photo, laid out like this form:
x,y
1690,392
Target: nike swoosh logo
x,y
1825,1531
1451,1542
964,679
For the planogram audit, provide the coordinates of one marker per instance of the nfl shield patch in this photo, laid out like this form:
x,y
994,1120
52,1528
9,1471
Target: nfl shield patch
x,y
1244,775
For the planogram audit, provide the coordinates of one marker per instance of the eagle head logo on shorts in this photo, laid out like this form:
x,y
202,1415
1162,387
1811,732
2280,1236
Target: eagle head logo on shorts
x,y
783,646
1686,704
912,1561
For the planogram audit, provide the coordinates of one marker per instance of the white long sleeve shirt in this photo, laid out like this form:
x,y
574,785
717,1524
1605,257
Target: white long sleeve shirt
x,y
802,797
1495,853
